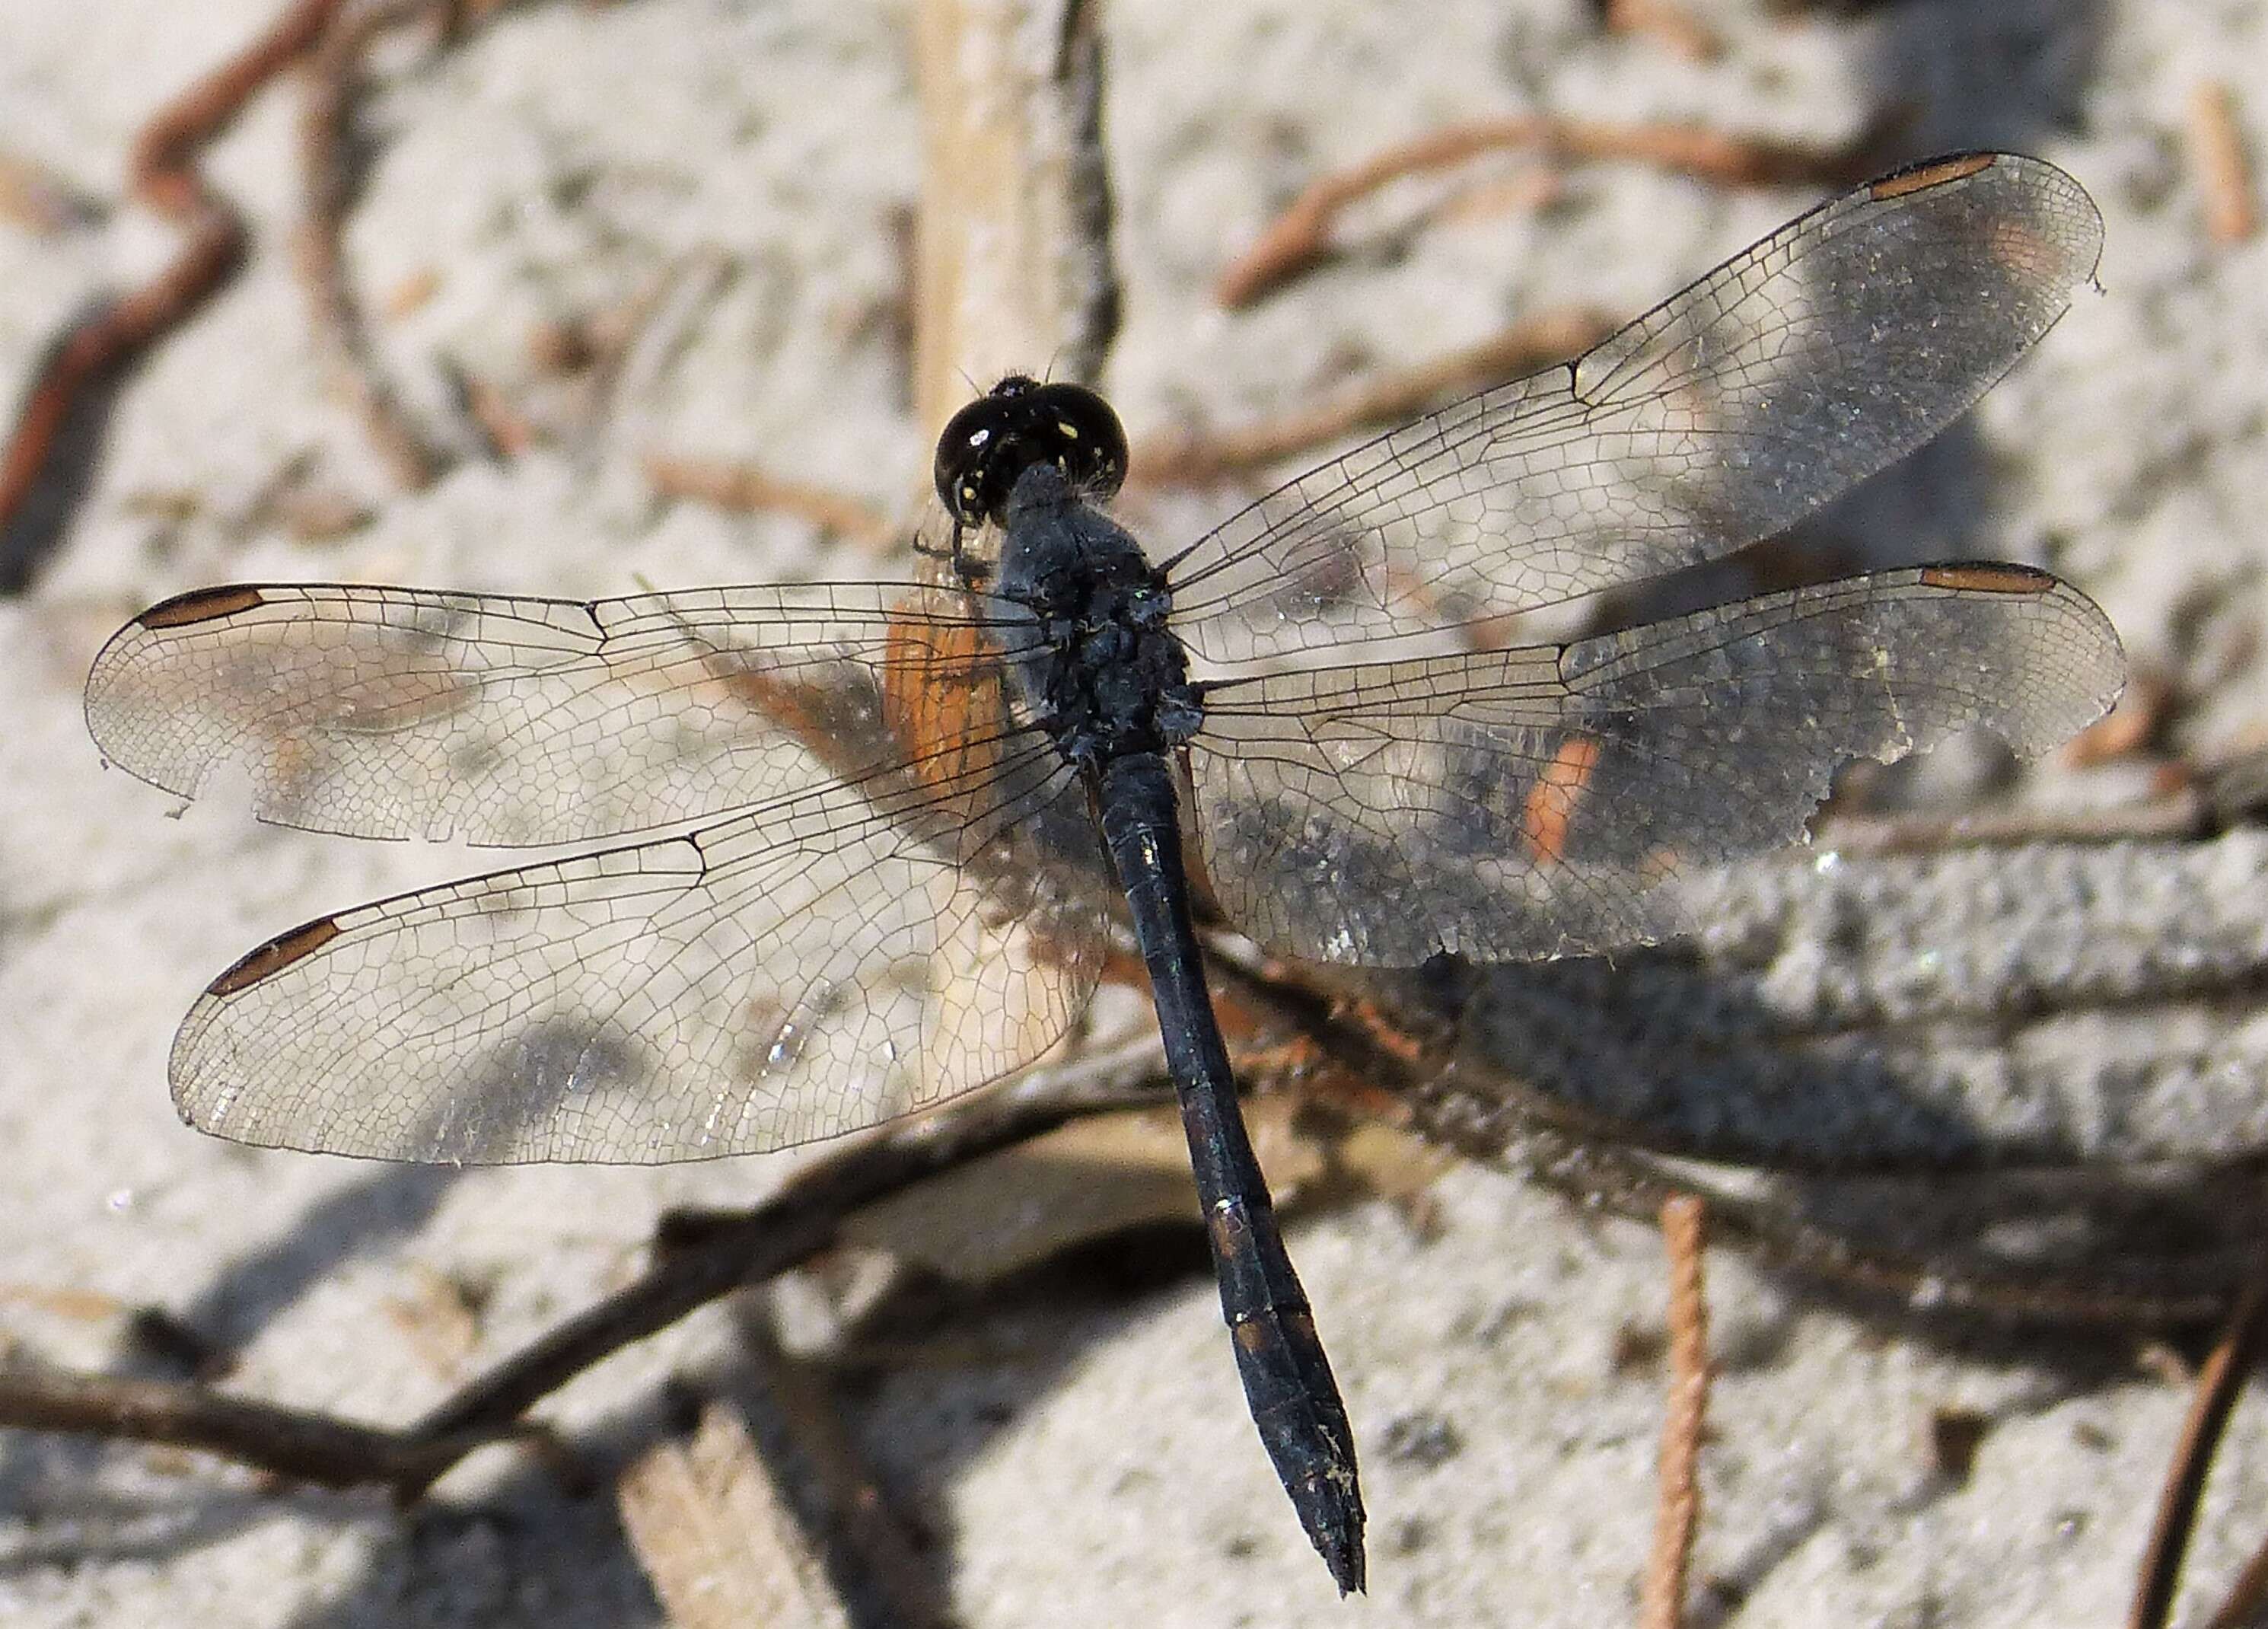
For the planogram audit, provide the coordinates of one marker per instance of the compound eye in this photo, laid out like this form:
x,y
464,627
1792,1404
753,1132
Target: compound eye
x,y
966,452
1084,437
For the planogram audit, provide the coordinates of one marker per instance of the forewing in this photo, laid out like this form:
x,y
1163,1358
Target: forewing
x,y
822,964
1838,343
398,712
1536,802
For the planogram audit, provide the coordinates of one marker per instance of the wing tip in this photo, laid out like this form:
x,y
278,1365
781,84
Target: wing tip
x,y
2090,658
127,649
2056,210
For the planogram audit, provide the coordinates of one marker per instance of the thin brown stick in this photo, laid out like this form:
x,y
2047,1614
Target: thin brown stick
x,y
717,1539
2187,799
303,1446
2217,1383
1667,22
1533,342
881,1551
2217,149
1677,1509
745,488
1301,235
327,185
162,174
459,17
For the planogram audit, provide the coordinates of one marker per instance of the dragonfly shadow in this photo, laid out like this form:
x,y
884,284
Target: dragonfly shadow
x,y
473,1561
225,1316
1878,1150
1996,1065
2009,73
523,1083
88,1524
525,1554
392,1203
1658,1042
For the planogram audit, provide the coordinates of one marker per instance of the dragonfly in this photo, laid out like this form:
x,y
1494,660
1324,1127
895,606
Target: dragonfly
x,y
864,847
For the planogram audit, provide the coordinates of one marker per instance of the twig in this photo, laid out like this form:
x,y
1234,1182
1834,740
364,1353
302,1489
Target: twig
x,y
717,1539
1300,236
163,175
1677,1509
2217,149
2189,799
1012,259
1530,343
1667,21
2217,1383
291,1442
632,341
78,1305
744,488
459,18
882,1553
327,182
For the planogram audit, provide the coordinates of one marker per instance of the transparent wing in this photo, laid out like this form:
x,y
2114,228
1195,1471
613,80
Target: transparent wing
x,y
1841,342
1531,803
821,964
397,712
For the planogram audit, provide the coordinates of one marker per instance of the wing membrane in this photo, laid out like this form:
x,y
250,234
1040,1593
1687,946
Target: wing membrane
x,y
397,712
818,966
1834,346
1531,803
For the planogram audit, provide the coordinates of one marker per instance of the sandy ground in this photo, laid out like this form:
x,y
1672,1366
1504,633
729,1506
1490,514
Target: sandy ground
x,y
1091,1466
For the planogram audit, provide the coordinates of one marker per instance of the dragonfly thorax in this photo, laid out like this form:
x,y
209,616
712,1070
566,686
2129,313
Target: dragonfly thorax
x,y
1105,674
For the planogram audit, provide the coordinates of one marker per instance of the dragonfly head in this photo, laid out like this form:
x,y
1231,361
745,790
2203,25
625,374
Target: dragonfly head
x,y
1019,422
